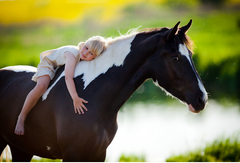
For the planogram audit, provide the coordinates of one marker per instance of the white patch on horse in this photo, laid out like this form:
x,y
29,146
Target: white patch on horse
x,y
21,68
48,148
113,56
184,51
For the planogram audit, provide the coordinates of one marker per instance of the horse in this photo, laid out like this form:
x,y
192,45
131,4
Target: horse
x,y
53,130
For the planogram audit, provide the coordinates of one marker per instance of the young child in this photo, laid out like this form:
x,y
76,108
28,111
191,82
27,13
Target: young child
x,y
68,55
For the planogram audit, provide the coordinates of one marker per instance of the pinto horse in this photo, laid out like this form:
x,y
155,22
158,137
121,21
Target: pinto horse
x,y
53,130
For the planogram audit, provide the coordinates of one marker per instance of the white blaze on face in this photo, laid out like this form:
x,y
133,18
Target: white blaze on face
x,y
113,56
184,51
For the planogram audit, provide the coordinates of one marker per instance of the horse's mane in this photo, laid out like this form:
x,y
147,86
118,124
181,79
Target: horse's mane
x,y
186,40
153,30
130,33
182,36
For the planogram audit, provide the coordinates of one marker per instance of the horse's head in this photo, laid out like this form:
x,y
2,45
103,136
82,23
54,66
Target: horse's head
x,y
173,68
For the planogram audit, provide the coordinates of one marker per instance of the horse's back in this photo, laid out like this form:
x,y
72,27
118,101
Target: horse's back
x,y
14,86
15,75
15,82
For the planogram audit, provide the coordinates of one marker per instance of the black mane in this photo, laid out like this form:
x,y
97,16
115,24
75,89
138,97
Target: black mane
x,y
182,36
186,40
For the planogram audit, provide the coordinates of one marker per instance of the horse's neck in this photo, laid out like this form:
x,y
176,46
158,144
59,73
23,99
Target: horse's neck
x,y
133,71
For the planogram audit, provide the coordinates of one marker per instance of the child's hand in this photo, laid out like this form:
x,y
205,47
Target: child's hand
x,y
78,105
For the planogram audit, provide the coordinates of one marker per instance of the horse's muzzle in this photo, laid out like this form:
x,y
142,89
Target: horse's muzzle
x,y
200,105
191,108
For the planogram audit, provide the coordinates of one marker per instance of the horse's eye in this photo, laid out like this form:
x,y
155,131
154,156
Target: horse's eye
x,y
175,58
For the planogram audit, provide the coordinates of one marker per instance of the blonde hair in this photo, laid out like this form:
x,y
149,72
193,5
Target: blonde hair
x,y
96,44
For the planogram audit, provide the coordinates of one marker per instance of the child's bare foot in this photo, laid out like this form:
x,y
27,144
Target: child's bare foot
x,y
19,130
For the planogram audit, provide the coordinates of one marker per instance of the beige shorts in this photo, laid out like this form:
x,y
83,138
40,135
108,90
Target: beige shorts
x,y
45,67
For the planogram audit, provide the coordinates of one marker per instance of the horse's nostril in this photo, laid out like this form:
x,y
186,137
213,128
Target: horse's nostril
x,y
200,101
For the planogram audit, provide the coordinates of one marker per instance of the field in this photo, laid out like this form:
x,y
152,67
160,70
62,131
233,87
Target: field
x,y
222,150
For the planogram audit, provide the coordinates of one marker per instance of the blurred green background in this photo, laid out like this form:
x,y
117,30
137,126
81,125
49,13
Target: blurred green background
x,y
29,27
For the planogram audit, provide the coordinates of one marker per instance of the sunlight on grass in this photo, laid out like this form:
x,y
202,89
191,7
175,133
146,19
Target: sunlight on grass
x,y
222,150
132,158
216,37
17,11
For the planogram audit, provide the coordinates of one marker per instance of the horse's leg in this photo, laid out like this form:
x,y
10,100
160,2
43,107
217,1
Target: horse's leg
x,y
20,156
3,144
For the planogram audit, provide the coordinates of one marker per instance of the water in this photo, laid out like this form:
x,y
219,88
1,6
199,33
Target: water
x,y
159,131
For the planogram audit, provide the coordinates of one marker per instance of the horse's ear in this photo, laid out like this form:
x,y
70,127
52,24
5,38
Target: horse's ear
x,y
185,28
173,31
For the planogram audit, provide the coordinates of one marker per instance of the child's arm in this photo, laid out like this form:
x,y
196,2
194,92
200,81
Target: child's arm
x,y
71,62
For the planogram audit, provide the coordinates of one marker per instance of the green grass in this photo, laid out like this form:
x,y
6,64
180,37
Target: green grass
x,y
36,160
222,150
216,37
132,158
46,160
